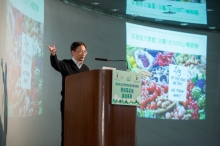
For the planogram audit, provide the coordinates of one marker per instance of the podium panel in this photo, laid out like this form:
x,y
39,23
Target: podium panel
x,y
90,118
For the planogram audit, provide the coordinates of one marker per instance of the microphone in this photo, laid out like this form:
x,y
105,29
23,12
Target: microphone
x,y
101,59
104,59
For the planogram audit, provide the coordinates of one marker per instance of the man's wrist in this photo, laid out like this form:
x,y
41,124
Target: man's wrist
x,y
53,54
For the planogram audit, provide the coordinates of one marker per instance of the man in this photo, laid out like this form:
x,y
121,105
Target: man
x,y
67,67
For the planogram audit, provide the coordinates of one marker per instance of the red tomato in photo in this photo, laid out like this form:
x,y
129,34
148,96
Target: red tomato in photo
x,y
158,90
165,88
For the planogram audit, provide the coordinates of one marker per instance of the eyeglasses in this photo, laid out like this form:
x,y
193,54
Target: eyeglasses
x,y
82,52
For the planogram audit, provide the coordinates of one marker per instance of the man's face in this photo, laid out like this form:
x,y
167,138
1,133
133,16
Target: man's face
x,y
80,53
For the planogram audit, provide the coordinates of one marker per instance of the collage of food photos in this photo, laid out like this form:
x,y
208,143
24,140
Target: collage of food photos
x,y
24,60
173,84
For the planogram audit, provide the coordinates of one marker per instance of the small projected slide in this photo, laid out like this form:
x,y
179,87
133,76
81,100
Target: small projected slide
x,y
173,68
190,11
23,57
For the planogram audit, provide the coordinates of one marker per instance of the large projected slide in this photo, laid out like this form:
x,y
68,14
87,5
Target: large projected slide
x,y
190,11
23,57
173,68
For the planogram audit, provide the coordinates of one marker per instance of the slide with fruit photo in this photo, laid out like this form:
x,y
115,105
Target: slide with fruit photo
x,y
173,68
24,57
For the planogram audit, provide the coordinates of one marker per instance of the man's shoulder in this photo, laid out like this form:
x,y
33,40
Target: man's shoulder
x,y
67,60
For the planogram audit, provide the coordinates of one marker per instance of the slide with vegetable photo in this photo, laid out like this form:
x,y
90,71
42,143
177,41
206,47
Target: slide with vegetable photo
x,y
173,68
24,57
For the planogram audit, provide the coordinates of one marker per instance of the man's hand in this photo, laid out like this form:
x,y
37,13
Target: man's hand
x,y
52,49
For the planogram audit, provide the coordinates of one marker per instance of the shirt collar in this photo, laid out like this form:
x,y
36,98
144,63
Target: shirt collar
x,y
78,65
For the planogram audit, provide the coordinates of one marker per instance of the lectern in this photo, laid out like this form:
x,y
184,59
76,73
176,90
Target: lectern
x,y
90,118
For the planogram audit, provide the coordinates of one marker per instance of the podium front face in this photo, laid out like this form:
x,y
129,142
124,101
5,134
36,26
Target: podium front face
x,y
90,118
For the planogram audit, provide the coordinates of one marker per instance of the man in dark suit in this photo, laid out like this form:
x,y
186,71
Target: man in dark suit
x,y
67,67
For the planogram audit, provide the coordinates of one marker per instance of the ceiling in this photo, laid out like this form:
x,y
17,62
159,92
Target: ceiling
x,y
117,8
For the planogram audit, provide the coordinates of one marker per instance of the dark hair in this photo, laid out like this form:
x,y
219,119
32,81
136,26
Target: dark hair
x,y
75,45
